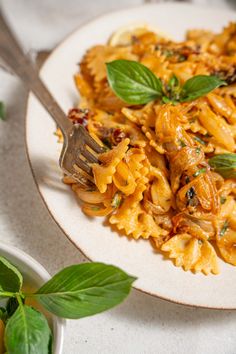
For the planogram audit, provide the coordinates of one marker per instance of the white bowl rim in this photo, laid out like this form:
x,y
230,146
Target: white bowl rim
x,y
50,56
58,323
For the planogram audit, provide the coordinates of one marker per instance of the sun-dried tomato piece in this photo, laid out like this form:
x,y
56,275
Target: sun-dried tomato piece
x,y
118,135
79,116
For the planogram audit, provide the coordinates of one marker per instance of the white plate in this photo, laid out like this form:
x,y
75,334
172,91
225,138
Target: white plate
x,y
156,276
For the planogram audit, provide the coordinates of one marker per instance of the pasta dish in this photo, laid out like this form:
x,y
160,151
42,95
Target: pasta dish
x,y
165,112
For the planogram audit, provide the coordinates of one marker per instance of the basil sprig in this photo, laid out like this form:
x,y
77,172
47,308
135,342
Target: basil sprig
x,y
224,164
135,84
77,291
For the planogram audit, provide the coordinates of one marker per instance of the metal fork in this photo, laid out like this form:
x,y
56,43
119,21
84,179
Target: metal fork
x,y
75,154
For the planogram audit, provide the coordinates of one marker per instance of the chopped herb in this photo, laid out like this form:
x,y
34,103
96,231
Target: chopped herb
x,y
168,53
116,200
198,150
187,179
200,171
2,111
190,195
199,140
182,58
224,228
182,143
222,199
95,208
200,242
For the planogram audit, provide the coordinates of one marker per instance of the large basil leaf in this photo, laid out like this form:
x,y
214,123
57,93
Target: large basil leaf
x,y
133,82
224,164
84,290
27,332
198,86
10,278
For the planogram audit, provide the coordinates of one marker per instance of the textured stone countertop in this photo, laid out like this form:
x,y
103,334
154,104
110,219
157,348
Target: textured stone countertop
x,y
142,324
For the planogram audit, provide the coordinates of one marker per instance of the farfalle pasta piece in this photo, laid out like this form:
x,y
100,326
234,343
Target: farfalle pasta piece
x,y
109,160
132,218
207,262
227,245
97,56
128,220
127,216
124,179
192,254
131,171
149,228
135,161
137,223
184,249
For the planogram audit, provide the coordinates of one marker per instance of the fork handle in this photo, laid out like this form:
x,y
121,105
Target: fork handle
x,y
21,65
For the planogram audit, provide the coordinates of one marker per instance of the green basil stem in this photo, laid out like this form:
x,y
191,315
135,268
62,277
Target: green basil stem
x,y
7,294
19,299
198,172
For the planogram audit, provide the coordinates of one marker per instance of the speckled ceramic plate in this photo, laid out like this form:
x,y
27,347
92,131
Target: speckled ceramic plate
x,y
156,276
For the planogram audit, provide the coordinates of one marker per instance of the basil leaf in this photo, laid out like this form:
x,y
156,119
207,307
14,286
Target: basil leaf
x,y
84,290
10,278
198,86
224,164
2,111
133,82
27,332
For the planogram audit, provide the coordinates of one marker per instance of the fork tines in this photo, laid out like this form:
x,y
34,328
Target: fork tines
x,y
86,146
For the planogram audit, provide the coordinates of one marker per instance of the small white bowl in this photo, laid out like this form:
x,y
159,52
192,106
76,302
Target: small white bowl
x,y
36,274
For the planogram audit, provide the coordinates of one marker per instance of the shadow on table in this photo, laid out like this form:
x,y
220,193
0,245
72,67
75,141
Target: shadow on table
x,y
232,3
159,312
25,215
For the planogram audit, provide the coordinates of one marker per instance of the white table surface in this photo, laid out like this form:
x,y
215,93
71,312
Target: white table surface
x,y
142,324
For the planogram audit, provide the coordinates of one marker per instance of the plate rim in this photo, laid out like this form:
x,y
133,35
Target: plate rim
x,y
26,144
